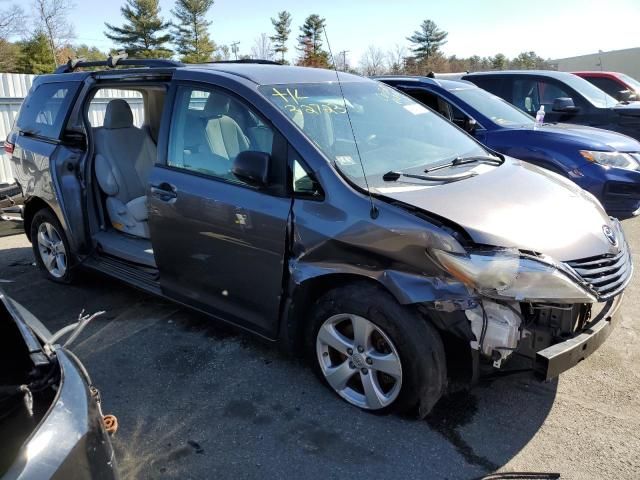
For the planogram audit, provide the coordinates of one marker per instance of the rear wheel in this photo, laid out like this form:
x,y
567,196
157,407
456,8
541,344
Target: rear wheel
x,y
50,247
375,353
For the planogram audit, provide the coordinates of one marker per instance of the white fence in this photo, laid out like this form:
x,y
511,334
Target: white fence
x,y
15,87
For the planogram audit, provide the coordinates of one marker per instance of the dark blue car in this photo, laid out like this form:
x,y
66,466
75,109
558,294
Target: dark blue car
x,y
605,163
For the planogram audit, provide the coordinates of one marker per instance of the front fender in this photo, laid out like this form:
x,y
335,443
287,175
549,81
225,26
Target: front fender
x,y
407,287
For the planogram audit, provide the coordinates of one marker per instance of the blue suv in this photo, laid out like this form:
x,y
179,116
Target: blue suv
x,y
605,163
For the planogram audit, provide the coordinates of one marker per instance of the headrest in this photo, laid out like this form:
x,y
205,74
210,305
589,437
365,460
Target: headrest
x,y
118,115
217,105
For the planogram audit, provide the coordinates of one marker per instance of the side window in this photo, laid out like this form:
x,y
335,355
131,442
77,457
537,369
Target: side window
x,y
490,84
458,116
303,183
427,98
548,92
44,110
210,128
611,87
525,95
433,101
99,102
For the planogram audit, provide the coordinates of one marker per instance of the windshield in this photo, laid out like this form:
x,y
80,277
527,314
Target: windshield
x,y
492,107
592,93
392,131
632,82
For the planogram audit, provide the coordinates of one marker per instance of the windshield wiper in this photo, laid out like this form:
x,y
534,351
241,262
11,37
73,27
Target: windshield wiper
x,y
393,176
464,160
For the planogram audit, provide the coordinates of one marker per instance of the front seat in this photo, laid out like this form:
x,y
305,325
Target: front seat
x,y
125,155
226,138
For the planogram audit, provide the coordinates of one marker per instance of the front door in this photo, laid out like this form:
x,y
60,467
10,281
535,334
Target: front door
x,y
220,243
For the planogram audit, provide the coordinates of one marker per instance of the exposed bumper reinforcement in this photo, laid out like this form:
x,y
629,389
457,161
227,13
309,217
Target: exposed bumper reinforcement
x,y
554,360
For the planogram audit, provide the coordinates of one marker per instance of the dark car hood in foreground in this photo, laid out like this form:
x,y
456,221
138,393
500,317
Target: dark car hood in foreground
x,y
517,205
578,136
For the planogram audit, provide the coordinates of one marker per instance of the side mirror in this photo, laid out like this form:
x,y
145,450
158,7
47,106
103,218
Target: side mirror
x,y
564,105
470,125
252,167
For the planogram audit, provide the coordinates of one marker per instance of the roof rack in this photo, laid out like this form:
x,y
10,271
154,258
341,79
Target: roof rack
x,y
114,61
249,60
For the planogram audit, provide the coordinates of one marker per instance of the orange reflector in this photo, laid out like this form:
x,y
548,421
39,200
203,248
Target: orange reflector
x,y
110,424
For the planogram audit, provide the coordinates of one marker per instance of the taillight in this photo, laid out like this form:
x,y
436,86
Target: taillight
x,y
8,147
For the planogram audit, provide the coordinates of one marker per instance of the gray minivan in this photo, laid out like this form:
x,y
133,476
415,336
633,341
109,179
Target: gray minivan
x,y
340,218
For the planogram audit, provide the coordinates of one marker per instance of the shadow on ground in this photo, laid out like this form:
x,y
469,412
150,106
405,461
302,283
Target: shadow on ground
x,y
198,399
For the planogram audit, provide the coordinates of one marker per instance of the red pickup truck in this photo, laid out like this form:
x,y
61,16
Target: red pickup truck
x,y
616,84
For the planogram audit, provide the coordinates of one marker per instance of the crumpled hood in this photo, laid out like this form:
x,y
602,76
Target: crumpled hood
x,y
517,205
579,136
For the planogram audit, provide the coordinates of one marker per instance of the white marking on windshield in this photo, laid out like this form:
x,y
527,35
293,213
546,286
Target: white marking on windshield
x,y
416,109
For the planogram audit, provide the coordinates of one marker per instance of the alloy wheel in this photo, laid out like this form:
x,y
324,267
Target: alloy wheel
x,y
359,361
52,251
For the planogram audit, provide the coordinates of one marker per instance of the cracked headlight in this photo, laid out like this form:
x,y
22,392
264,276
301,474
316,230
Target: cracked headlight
x,y
612,159
506,274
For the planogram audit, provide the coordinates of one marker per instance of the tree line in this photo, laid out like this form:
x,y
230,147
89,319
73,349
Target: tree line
x,y
46,41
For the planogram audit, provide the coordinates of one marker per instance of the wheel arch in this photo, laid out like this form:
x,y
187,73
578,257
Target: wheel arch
x,y
302,298
32,206
462,363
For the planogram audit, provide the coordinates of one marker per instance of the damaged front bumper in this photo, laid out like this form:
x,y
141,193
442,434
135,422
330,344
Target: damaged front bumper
x,y
555,359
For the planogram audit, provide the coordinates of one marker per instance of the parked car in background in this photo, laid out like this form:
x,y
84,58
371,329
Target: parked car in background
x,y
605,163
566,98
619,85
51,423
341,218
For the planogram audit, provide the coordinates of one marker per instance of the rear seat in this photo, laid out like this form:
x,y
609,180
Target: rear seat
x,y
125,155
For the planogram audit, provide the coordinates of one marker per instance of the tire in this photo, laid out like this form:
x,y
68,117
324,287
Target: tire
x,y
51,247
394,334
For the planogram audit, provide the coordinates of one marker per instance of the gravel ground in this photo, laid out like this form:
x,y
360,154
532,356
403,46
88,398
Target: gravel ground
x,y
196,399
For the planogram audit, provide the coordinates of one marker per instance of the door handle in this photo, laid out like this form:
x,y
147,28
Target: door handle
x,y
165,192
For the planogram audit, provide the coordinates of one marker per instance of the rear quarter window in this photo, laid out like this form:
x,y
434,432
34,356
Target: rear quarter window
x,y
489,83
45,109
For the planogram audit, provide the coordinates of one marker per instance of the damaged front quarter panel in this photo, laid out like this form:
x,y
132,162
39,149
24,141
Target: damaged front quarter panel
x,y
329,247
328,242
390,250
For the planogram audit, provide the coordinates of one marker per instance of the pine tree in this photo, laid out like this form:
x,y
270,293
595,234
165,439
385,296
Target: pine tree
x,y
310,43
282,26
142,34
427,40
499,62
9,56
190,34
36,55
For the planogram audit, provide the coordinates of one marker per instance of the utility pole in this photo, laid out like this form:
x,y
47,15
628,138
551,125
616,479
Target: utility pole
x,y
344,59
234,48
600,59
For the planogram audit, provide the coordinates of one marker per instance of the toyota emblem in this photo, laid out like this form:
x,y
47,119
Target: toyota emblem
x,y
610,235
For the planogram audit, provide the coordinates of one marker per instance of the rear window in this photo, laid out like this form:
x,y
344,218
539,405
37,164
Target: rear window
x,y
98,105
45,109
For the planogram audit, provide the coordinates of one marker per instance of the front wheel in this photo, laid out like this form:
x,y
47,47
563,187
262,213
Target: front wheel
x,y
50,247
375,353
